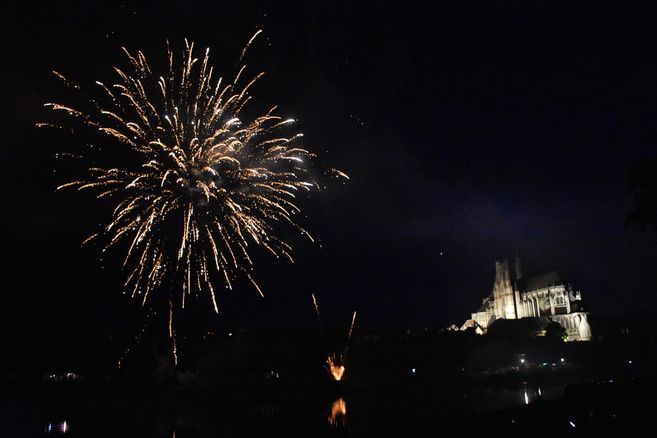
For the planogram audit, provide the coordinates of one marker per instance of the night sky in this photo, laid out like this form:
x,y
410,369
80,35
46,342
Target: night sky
x,y
471,131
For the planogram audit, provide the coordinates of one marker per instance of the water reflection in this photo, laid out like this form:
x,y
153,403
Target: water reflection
x,y
530,393
338,415
56,428
286,414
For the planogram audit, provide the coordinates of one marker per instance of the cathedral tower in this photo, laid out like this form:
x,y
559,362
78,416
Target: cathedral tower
x,y
503,293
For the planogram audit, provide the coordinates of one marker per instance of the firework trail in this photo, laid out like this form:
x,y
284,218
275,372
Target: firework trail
x,y
319,318
172,336
351,330
199,185
136,339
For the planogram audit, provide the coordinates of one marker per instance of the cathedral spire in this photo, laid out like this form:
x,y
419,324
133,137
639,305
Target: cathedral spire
x,y
518,267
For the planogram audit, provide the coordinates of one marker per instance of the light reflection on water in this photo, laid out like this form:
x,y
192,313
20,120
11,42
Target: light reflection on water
x,y
526,397
57,428
308,416
531,394
338,415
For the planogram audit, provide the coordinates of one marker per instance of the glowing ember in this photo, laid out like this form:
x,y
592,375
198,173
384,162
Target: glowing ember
x,y
335,367
338,415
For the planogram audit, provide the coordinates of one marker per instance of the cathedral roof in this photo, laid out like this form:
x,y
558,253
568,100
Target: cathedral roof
x,y
486,303
541,281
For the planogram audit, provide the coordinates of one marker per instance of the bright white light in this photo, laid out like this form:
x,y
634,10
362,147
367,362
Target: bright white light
x,y
563,360
522,360
571,423
413,370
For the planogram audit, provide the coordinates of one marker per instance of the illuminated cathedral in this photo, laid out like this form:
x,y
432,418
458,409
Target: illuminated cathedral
x,y
544,297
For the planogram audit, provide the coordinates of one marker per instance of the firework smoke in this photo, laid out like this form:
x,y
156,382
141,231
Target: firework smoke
x,y
203,185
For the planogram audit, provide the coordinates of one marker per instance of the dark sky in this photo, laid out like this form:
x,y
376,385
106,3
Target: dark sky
x,y
470,130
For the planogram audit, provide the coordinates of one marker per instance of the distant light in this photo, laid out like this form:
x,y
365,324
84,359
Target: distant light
x,y
526,398
539,392
230,333
629,362
413,370
572,424
522,360
64,427
441,253
563,360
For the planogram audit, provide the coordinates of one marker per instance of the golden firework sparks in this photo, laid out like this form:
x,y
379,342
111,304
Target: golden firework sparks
x,y
335,366
200,184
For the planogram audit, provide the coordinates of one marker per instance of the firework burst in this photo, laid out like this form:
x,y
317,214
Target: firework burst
x,y
204,185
